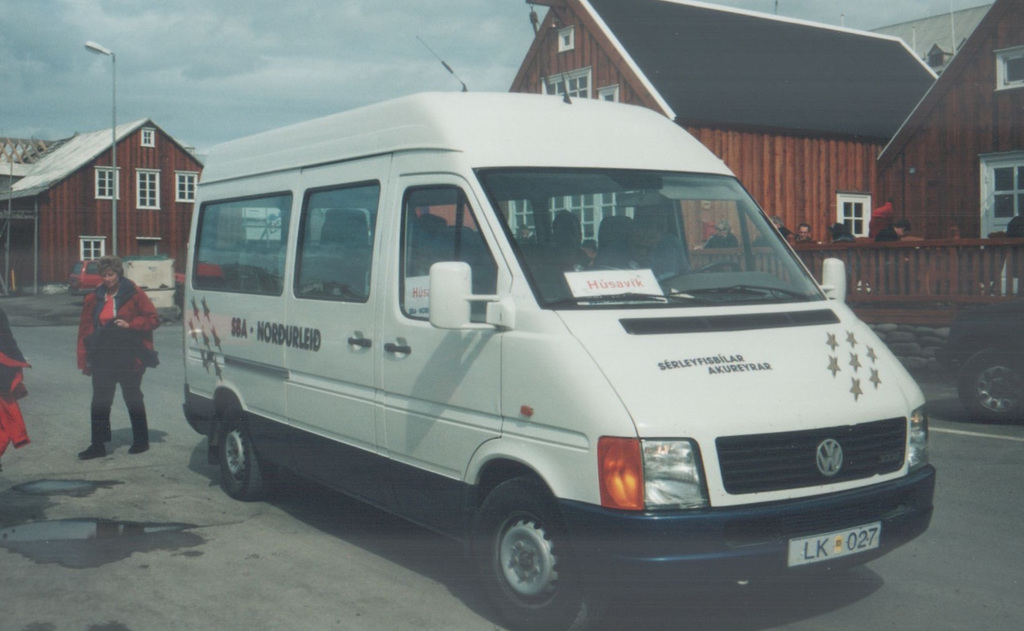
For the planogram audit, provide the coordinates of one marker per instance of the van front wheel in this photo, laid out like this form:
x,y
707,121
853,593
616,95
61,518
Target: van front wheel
x,y
522,552
240,473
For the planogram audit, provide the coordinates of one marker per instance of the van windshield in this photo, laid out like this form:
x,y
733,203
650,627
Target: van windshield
x,y
598,237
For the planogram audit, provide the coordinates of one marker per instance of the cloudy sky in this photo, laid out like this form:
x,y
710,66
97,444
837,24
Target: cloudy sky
x,y
207,71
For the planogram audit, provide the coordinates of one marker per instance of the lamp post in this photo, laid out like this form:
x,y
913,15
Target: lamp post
x,y
93,47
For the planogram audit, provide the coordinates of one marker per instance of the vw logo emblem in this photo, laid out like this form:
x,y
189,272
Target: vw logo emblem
x,y
830,457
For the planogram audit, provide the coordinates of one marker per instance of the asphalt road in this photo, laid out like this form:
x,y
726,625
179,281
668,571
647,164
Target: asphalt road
x,y
149,541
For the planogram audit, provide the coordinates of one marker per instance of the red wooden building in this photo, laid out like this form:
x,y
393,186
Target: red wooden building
x,y
62,210
956,166
798,110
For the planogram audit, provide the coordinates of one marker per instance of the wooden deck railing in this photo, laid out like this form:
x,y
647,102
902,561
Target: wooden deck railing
x,y
923,282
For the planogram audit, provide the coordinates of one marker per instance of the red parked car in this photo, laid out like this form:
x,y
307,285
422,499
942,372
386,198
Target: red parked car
x,y
85,276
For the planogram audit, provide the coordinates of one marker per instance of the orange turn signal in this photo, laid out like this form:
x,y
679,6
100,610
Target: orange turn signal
x,y
621,472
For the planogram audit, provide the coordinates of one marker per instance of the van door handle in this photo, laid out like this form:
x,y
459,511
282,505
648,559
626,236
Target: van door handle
x,y
402,348
360,341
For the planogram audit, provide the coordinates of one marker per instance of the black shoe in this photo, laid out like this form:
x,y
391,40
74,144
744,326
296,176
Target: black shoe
x,y
138,448
95,450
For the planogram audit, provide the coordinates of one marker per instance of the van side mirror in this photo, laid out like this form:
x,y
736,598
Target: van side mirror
x,y
833,279
451,292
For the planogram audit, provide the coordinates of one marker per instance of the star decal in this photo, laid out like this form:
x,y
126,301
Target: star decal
x,y
854,361
832,341
851,339
855,389
871,355
833,365
874,378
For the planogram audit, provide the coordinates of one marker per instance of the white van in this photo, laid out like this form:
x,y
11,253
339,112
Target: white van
x,y
562,332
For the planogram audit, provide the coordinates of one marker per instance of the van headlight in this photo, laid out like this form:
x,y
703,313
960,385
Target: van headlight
x,y
672,475
917,455
650,474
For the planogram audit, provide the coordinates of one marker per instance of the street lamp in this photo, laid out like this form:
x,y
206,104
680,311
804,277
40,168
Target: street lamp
x,y
93,47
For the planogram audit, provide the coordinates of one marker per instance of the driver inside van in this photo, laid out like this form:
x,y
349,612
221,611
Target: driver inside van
x,y
652,246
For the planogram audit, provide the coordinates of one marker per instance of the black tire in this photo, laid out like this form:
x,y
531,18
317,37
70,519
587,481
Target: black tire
x,y
991,385
524,557
241,475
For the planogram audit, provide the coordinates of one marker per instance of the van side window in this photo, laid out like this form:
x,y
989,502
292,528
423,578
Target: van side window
x,y
336,243
240,245
438,225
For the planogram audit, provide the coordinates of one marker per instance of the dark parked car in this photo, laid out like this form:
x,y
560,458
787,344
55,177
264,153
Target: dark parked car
x,y
85,276
986,348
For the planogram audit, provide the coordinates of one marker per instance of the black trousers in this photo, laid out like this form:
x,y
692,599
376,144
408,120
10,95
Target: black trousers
x,y
104,383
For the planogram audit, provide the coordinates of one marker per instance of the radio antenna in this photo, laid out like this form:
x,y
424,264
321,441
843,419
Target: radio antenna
x,y
444,63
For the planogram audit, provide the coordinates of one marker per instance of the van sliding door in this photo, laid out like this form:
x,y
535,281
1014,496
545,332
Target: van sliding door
x,y
331,396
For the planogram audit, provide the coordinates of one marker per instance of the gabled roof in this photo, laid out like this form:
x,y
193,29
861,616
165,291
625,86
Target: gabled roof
x,y
70,156
947,31
950,77
714,65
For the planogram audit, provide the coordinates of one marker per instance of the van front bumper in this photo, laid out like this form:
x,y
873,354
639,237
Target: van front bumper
x,y
739,543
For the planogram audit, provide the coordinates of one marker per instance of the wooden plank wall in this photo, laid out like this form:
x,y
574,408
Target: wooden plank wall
x,y
795,177
934,176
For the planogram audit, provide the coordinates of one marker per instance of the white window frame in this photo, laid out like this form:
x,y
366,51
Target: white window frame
x,y
571,81
148,137
846,204
1003,57
989,163
147,189
609,93
91,247
103,173
141,242
185,186
566,39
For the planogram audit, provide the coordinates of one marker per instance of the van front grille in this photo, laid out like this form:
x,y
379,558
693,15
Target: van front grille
x,y
790,460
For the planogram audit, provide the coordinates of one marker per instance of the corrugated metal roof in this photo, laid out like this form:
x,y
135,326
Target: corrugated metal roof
x,y
72,155
18,169
714,65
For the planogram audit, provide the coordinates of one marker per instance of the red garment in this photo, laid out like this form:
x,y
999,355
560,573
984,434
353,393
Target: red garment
x,y
107,312
131,304
12,423
881,218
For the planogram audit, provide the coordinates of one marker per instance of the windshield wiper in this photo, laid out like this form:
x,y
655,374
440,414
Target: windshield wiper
x,y
608,298
760,290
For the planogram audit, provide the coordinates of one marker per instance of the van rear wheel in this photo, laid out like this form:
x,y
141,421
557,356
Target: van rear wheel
x,y
521,549
241,476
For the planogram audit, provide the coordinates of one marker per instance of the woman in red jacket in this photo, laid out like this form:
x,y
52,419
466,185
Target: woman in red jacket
x,y
12,424
115,344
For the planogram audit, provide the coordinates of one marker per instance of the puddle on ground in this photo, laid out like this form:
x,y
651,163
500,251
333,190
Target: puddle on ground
x,y
74,488
87,543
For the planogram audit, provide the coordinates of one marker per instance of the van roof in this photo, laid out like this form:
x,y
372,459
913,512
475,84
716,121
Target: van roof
x,y
491,129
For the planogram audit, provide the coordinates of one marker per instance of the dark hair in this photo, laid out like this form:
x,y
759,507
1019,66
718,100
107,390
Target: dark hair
x,y
1016,227
841,232
112,263
902,223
